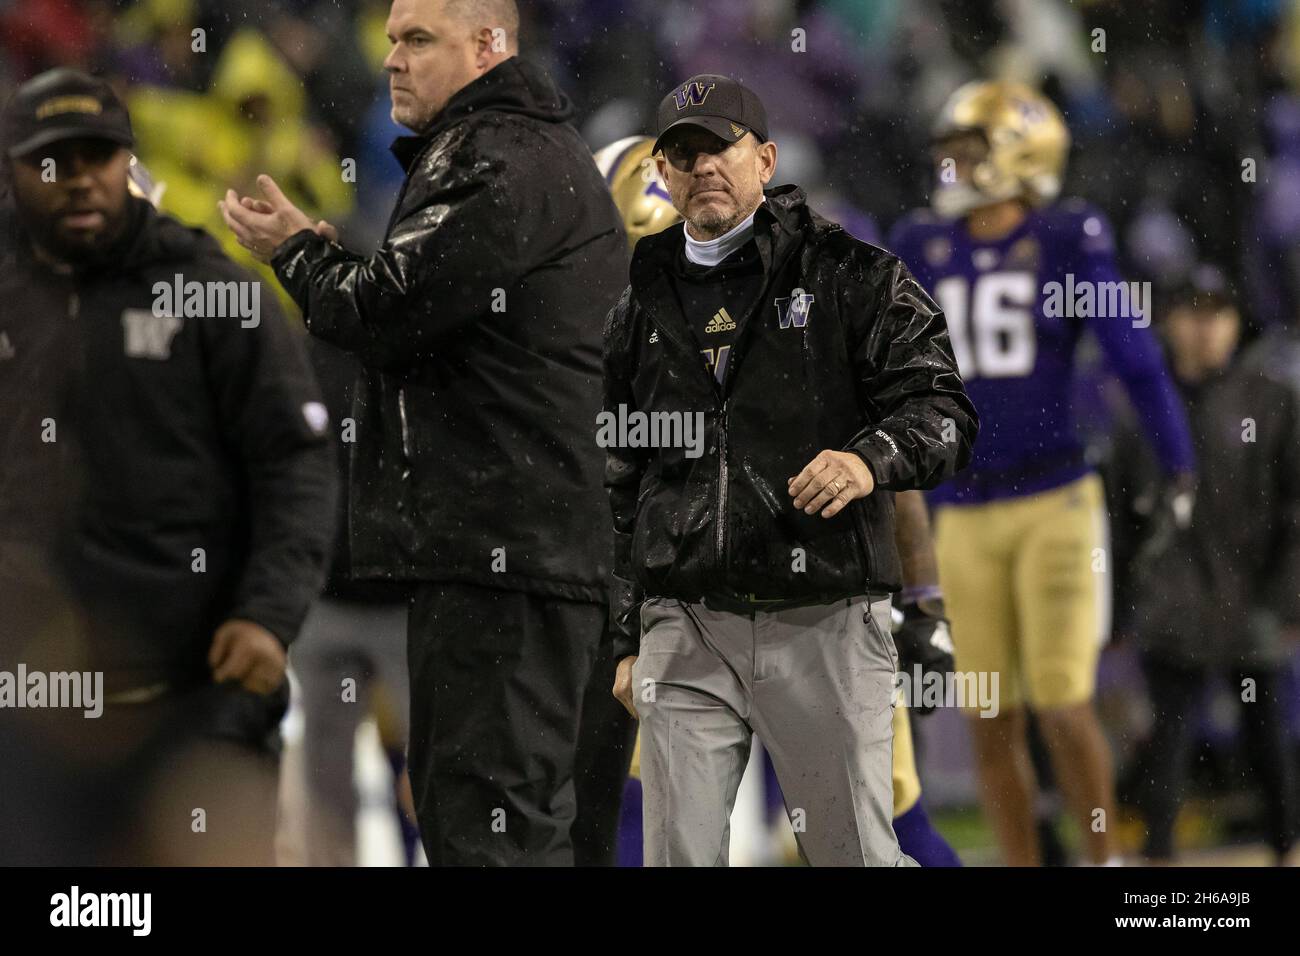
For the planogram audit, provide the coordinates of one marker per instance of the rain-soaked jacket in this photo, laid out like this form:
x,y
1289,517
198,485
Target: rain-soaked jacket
x,y
843,350
189,480
478,322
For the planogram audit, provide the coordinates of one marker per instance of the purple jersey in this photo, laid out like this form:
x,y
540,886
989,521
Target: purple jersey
x,y
1016,307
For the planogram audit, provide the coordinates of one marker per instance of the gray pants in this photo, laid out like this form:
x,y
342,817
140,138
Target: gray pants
x,y
343,640
816,685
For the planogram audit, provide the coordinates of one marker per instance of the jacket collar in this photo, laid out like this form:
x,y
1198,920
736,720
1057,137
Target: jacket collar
x,y
778,225
513,86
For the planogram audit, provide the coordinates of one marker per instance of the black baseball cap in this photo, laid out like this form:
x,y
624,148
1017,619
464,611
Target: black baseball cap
x,y
718,103
1206,286
63,104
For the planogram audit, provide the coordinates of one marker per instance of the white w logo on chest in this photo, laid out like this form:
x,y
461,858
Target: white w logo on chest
x,y
145,335
794,309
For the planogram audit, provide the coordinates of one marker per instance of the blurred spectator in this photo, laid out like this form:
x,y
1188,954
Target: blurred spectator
x,y
155,43
253,119
1272,241
39,34
167,499
1213,602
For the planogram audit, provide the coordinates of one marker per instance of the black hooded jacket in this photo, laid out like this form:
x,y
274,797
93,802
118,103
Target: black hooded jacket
x,y
160,477
478,322
1218,595
867,368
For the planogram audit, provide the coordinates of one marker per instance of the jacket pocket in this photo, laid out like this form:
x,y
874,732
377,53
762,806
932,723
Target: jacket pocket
x,y
866,547
881,635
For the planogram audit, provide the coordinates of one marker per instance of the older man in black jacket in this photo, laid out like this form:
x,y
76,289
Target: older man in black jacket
x,y
166,498
778,380
475,473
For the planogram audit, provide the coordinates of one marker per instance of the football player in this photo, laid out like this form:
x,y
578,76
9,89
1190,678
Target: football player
x,y
1021,533
920,633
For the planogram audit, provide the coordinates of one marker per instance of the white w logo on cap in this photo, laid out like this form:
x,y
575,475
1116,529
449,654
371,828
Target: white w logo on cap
x,y
692,94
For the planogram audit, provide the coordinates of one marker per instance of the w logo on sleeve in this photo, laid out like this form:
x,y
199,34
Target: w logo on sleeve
x,y
692,94
793,310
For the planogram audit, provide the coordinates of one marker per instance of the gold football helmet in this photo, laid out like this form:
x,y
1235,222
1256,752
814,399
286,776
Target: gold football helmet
x,y
640,195
1027,144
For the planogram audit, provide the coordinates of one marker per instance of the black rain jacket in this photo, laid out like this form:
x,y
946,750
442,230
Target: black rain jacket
x,y
152,484
869,370
478,322
1220,593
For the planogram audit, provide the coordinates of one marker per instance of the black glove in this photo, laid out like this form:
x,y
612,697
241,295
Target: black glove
x,y
923,638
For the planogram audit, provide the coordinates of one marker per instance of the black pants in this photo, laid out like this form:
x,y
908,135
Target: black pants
x,y
605,742
189,778
497,683
1176,694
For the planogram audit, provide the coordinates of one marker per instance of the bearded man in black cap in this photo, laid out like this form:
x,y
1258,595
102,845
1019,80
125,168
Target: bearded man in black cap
x,y
755,561
166,495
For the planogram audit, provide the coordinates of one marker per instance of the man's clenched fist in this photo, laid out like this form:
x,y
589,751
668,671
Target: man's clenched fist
x,y
248,653
623,683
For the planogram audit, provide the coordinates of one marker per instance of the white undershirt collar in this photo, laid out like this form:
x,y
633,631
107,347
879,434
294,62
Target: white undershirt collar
x,y
709,252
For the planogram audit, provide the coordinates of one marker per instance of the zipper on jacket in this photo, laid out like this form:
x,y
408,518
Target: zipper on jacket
x,y
863,528
720,543
74,305
406,432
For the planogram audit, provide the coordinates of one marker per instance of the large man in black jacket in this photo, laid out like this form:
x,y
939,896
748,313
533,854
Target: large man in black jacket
x,y
166,496
769,381
475,472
